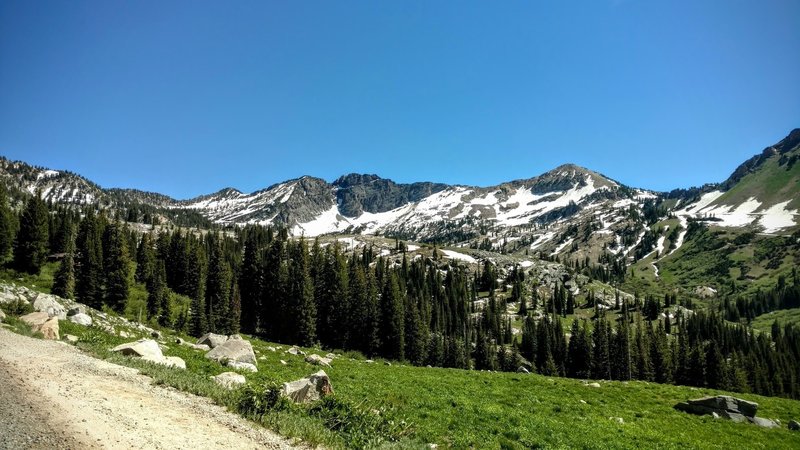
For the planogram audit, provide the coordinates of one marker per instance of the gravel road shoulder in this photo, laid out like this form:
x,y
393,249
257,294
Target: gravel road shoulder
x,y
54,396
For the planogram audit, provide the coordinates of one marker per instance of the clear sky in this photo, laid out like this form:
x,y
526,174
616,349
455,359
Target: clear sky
x,y
185,98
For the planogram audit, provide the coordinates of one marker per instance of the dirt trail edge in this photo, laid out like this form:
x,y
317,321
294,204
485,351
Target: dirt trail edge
x,y
54,396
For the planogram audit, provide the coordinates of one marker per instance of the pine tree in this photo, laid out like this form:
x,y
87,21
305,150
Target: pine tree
x,y
235,309
250,282
30,249
7,225
116,267
89,276
601,356
198,325
156,291
218,288
145,259
64,280
301,292
393,316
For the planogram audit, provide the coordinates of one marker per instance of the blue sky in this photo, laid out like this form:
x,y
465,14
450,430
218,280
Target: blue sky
x,y
185,98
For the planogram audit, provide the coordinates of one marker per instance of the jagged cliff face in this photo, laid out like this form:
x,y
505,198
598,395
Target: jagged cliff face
x,y
566,208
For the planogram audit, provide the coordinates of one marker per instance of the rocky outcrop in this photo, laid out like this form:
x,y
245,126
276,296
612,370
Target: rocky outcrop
x,y
726,407
229,380
212,340
309,389
233,350
81,319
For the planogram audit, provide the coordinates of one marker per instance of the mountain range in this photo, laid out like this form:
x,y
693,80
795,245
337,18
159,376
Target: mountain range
x,y
550,213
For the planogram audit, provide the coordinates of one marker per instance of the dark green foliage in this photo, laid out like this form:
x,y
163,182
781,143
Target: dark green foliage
x,y
30,248
7,225
89,247
360,425
218,289
64,281
116,266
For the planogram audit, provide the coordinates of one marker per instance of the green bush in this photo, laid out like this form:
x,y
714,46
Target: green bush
x,y
256,400
17,308
359,425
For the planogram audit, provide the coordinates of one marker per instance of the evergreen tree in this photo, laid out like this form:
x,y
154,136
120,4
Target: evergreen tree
x,y
235,309
156,292
198,325
64,280
89,276
301,292
7,225
393,316
601,356
218,288
145,259
116,266
30,249
250,282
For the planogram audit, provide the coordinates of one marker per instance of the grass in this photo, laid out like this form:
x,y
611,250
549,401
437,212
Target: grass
x,y
764,322
465,409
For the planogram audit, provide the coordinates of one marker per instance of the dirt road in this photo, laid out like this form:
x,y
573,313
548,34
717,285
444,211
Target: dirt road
x,y
54,396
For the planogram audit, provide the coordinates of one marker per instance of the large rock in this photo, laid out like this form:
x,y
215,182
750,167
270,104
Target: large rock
x,y
318,360
201,347
212,340
41,322
233,350
81,319
49,329
169,361
762,422
242,366
309,389
229,380
723,403
78,309
146,348
47,303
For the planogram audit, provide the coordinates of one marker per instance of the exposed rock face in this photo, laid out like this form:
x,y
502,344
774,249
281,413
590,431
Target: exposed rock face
x,y
726,407
229,380
318,360
145,348
81,319
233,350
309,389
41,322
212,340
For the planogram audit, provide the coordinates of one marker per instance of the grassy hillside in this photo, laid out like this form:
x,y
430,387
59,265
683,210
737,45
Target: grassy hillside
x,y
772,183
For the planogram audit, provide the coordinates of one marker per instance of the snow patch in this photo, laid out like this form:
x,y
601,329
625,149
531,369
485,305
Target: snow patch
x,y
459,256
778,217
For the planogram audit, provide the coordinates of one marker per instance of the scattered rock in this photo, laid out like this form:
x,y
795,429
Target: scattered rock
x,y
583,402
123,334
169,361
2,315
593,385
41,322
309,389
272,349
522,369
330,356
229,380
81,319
318,360
242,366
71,339
202,347
179,341
794,425
295,351
762,422
212,340
233,350
619,420
79,309
49,329
369,361
388,363
155,334
146,348
48,304
283,362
